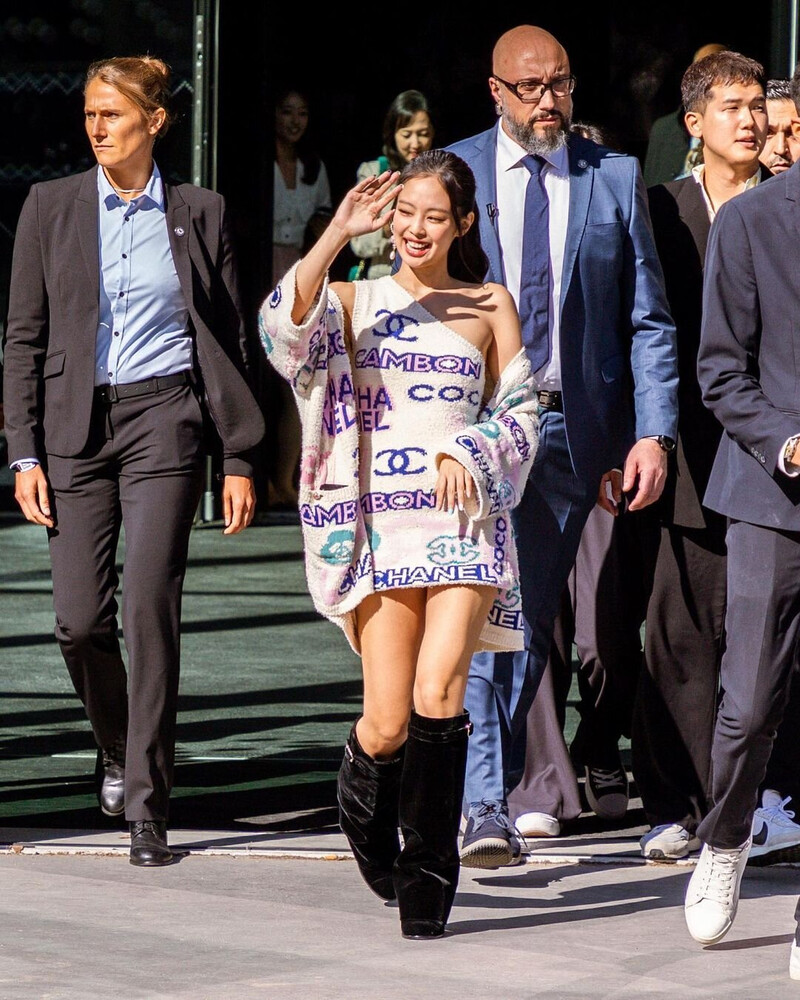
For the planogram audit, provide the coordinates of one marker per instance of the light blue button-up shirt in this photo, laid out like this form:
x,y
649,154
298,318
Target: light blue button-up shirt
x,y
144,322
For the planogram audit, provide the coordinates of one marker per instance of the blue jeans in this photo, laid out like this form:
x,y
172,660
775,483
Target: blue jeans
x,y
548,523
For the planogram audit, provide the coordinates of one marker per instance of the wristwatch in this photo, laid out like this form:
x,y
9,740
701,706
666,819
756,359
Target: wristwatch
x,y
665,443
789,451
25,466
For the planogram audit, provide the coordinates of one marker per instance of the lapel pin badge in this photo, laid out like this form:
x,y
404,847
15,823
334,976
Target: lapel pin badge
x,y
583,164
179,230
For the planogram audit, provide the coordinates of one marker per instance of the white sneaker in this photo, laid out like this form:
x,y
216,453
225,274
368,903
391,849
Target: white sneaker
x,y
794,961
775,836
668,842
534,824
712,895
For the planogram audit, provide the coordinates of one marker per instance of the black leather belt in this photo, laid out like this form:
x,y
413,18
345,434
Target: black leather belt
x,y
147,387
549,400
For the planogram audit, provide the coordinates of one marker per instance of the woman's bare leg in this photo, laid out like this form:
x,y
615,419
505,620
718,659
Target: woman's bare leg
x,y
425,874
390,626
454,617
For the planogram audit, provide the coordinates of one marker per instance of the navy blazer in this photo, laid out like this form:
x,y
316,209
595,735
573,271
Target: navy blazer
x,y
749,358
49,357
618,348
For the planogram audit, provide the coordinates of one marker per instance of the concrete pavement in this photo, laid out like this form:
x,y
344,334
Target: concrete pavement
x,y
246,916
266,901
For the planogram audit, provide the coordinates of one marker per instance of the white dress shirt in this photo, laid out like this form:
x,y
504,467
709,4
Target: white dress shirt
x,y
512,180
699,173
293,207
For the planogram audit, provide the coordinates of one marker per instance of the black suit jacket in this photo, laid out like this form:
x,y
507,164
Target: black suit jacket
x,y
681,228
748,363
49,356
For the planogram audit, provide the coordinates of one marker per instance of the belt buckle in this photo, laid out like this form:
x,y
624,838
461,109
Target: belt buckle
x,y
109,393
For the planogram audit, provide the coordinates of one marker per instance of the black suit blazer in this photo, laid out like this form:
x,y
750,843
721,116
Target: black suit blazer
x,y
748,363
681,228
49,356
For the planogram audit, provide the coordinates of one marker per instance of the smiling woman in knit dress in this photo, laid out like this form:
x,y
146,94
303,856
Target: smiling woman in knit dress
x,y
419,430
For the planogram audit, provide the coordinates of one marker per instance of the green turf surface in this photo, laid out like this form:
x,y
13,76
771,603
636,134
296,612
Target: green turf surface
x,y
268,691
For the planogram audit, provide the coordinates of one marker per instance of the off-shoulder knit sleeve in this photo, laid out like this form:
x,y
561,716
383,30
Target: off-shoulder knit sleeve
x,y
296,351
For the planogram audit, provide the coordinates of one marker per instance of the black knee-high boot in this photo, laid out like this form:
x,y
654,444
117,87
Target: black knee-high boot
x,y
431,792
368,791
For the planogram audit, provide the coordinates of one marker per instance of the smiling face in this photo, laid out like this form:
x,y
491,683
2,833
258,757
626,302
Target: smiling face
x,y
121,135
291,118
415,137
733,125
423,223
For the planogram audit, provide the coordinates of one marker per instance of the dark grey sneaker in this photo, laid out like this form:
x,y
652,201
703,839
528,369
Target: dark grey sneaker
x,y
607,791
490,839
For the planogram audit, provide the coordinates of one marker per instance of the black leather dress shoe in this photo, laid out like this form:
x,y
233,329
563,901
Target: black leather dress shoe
x,y
111,779
149,844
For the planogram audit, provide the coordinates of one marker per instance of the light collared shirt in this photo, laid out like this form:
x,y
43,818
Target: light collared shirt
x,y
512,180
699,172
144,322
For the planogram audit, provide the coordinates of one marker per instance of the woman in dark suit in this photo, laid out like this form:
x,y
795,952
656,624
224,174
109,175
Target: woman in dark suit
x,y
124,335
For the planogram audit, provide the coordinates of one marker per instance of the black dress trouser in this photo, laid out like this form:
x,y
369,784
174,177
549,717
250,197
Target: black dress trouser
x,y
142,471
676,702
762,627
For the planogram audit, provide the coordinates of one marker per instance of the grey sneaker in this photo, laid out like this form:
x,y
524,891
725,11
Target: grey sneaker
x,y
607,791
490,838
668,842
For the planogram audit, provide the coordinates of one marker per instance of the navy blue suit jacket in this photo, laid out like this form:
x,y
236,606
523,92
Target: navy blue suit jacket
x,y
618,344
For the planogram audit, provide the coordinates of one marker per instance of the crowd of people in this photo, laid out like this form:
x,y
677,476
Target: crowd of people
x,y
554,406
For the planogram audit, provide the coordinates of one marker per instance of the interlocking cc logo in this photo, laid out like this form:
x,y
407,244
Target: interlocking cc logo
x,y
338,547
510,598
450,550
395,325
398,462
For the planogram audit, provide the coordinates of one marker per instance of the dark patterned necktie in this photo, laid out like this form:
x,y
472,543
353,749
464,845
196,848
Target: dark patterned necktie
x,y
534,284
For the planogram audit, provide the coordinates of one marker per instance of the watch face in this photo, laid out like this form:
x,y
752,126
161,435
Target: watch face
x,y
666,442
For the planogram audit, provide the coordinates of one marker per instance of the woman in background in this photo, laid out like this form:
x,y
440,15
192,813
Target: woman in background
x,y
407,132
301,187
301,192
